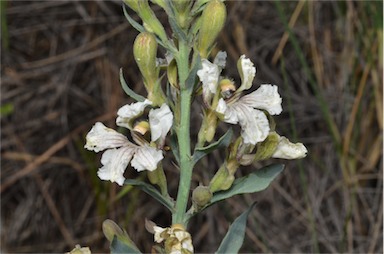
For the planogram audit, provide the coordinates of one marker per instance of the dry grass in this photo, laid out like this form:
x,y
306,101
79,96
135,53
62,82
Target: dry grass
x,y
60,75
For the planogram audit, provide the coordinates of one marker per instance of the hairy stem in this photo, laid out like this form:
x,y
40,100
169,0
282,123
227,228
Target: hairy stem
x,y
183,135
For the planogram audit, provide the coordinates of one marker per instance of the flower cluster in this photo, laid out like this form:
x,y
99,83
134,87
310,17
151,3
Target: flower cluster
x,y
119,151
177,239
249,111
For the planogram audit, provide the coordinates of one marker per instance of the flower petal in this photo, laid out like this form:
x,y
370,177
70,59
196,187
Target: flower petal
x,y
159,233
128,112
247,72
220,59
160,122
209,76
101,137
221,106
115,161
254,123
287,150
146,158
265,97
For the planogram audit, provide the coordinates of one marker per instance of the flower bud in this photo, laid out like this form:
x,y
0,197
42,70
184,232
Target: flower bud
x,y
172,74
151,23
211,126
212,21
266,148
111,229
133,4
201,196
222,180
182,16
144,51
181,5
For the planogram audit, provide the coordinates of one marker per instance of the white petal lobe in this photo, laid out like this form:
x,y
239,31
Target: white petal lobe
x,y
146,158
265,97
128,112
254,124
288,150
247,72
160,121
209,76
114,162
220,59
101,137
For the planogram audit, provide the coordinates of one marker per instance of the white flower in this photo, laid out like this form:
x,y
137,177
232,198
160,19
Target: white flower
x,y
177,240
209,76
101,137
129,112
287,150
247,72
119,152
254,123
266,97
160,122
146,158
210,73
220,59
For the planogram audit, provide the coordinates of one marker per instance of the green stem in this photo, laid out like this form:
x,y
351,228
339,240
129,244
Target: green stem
x,y
183,135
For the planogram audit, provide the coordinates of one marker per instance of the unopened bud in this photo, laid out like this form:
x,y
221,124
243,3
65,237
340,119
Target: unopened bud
x,y
172,74
211,126
150,20
144,51
142,127
222,180
266,148
182,16
201,196
181,5
133,4
212,21
227,88
111,229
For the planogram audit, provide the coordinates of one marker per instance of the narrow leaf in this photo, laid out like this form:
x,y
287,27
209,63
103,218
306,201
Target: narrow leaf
x,y
128,90
174,147
254,182
190,81
180,34
118,246
131,21
141,28
224,141
149,189
234,238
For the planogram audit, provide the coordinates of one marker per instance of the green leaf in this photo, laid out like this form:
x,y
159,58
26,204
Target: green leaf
x,y
180,34
141,29
224,141
254,182
175,147
190,81
131,21
118,246
128,90
234,238
149,189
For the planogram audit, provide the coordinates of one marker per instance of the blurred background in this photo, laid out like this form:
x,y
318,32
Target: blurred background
x,y
59,75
